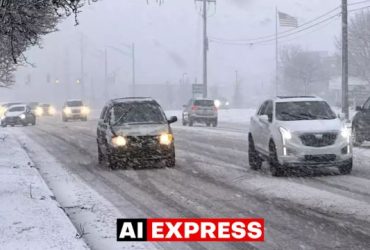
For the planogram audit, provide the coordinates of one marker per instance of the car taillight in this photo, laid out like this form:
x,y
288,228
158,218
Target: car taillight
x,y
194,108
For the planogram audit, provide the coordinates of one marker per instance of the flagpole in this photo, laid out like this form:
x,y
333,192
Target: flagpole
x,y
277,53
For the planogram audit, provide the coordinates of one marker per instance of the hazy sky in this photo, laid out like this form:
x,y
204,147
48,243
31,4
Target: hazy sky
x,y
168,42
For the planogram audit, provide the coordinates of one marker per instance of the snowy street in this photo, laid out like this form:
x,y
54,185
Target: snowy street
x,y
306,210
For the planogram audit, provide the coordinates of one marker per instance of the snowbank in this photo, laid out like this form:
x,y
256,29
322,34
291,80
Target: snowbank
x,y
30,218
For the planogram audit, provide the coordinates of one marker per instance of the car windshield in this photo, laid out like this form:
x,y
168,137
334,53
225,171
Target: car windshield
x,y
137,113
304,110
17,109
74,104
45,105
204,103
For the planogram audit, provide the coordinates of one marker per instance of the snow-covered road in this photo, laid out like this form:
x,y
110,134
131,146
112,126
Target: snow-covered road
x,y
315,210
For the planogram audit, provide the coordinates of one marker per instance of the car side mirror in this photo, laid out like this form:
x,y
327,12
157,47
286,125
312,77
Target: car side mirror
x,y
359,108
264,118
172,119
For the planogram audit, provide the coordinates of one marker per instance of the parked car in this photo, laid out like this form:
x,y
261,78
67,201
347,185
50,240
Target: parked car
x,y
132,130
18,115
75,110
200,111
361,124
45,110
298,132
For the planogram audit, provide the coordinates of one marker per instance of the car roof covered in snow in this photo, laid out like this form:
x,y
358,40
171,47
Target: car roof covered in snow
x,y
132,99
297,99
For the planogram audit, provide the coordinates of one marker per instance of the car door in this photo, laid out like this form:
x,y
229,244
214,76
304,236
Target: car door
x,y
266,126
365,116
103,126
256,126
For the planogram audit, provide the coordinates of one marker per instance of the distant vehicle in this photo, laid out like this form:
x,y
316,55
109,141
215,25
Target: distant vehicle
x,y
200,111
33,106
75,110
45,110
222,103
298,132
18,115
132,130
361,124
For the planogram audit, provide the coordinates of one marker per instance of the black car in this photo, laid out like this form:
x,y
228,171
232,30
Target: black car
x,y
200,111
361,124
18,115
133,131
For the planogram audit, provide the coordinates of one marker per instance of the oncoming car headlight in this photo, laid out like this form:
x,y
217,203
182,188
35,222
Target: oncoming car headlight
x,y
346,133
39,111
165,139
217,103
22,116
285,134
85,110
52,111
119,141
67,110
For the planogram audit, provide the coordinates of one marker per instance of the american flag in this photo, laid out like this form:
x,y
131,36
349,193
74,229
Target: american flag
x,y
287,20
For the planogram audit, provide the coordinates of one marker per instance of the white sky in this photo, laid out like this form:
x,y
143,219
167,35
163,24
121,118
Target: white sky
x,y
168,41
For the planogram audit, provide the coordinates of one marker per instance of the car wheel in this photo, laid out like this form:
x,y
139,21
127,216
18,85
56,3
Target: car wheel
x,y
84,119
357,141
171,162
214,124
12,125
34,123
112,162
183,121
347,168
255,161
275,167
100,155
208,124
191,122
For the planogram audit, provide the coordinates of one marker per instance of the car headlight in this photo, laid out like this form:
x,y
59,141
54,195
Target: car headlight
x,y
2,118
52,110
39,111
165,139
119,141
22,116
67,110
285,134
227,103
85,110
346,133
217,103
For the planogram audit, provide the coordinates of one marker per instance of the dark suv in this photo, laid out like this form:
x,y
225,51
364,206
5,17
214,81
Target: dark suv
x,y
361,124
200,111
132,131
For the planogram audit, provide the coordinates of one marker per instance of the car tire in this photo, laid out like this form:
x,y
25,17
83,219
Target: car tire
x,y
84,119
357,141
214,124
33,123
346,169
112,163
171,162
255,161
276,168
100,155
191,123
183,121
208,124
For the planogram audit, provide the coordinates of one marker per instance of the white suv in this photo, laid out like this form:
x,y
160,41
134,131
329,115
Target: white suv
x,y
297,132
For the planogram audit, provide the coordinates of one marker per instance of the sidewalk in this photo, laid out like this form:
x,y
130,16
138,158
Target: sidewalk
x,y
30,218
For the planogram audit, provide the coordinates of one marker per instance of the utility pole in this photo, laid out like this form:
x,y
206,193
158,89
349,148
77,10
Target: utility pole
x,y
277,51
133,71
205,47
345,104
82,82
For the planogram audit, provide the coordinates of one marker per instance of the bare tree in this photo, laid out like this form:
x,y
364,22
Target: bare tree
x,y
302,71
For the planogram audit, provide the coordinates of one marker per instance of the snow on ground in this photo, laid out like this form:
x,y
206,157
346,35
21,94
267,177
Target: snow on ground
x,y
224,115
90,212
30,218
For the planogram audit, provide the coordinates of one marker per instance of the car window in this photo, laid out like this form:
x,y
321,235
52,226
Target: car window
x,y
261,111
103,112
367,104
269,108
204,103
304,110
74,104
137,112
17,109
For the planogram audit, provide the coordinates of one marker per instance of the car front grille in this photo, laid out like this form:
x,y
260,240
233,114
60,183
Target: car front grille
x,y
75,111
319,139
320,158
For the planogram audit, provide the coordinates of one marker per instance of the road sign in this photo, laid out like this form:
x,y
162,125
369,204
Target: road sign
x,y
198,89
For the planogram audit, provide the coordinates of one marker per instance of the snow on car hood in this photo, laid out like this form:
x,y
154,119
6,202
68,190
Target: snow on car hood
x,y
14,114
141,129
312,126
